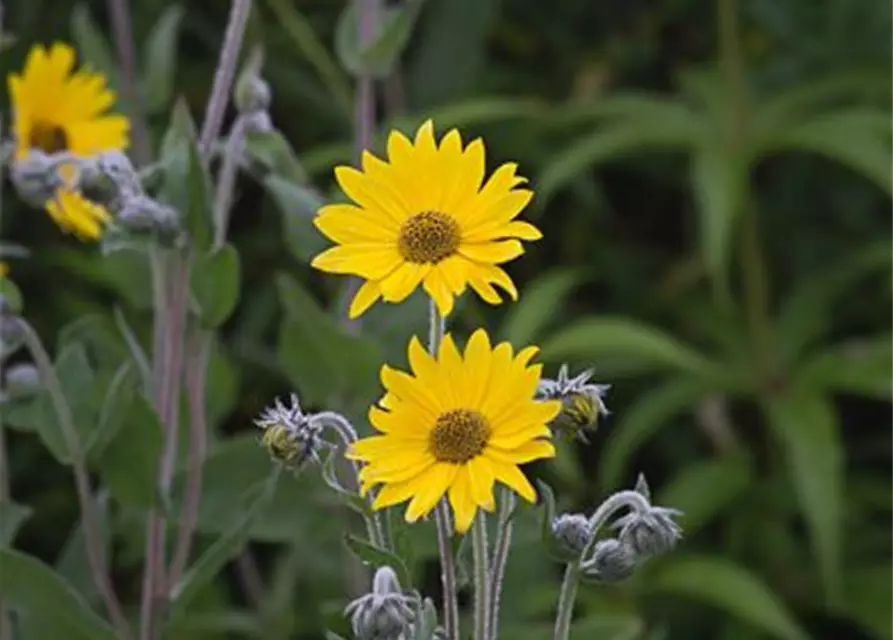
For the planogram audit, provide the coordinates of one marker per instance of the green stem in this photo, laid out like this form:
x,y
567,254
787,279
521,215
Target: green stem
x,y
501,548
566,601
442,520
481,577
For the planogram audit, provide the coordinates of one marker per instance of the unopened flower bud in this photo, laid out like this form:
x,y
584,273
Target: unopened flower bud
x,y
385,613
650,533
142,214
35,178
612,561
571,534
22,380
290,436
252,94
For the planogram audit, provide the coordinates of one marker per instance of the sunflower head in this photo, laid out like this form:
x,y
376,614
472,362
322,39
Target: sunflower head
x,y
426,216
454,426
58,109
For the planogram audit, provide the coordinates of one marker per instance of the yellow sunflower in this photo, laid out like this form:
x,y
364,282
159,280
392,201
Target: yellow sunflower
x,y
58,109
459,423
426,217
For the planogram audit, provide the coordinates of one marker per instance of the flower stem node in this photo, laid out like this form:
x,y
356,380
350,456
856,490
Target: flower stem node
x,y
291,437
571,534
650,533
35,177
582,403
612,561
387,612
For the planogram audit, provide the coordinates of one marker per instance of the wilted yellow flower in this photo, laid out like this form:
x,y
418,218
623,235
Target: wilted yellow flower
x,y
56,108
426,217
456,426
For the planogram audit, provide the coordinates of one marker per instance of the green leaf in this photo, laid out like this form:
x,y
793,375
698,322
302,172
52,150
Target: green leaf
x,y
541,302
652,411
11,295
638,344
298,206
805,424
187,185
223,550
160,60
275,155
29,586
118,398
72,563
704,489
863,366
610,142
378,57
12,516
427,625
129,464
214,284
867,592
547,498
719,182
93,48
805,315
858,138
377,557
729,587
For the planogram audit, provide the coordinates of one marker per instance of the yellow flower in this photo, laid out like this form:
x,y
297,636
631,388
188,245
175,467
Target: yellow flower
x,y
455,426
426,217
58,109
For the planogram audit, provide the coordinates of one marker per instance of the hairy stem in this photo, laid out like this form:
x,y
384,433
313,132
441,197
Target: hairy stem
x,y
481,577
442,520
95,556
620,500
5,627
500,555
122,31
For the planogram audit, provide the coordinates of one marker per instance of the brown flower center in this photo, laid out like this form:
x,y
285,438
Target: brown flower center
x,y
48,138
458,436
428,237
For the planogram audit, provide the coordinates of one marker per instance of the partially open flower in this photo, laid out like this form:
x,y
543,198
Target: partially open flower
x,y
387,612
290,437
582,402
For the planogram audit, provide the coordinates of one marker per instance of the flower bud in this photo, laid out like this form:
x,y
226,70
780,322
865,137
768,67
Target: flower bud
x,y
252,94
582,403
142,214
290,436
22,380
385,613
571,534
612,561
650,533
257,122
35,178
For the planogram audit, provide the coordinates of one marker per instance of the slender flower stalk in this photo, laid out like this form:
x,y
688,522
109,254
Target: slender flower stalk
x,y
503,543
442,520
481,552
629,499
95,556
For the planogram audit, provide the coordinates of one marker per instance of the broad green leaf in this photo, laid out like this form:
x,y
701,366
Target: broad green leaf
x,y
609,142
541,302
805,425
275,155
380,54
640,345
29,586
598,626
427,625
377,557
805,315
867,592
187,185
222,551
93,48
863,366
12,516
858,138
298,206
129,464
632,429
112,414
11,295
719,182
214,285
72,563
704,489
98,336
160,60
727,586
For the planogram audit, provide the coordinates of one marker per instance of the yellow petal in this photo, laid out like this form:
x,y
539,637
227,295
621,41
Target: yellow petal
x,y
527,452
409,389
366,296
481,478
477,362
370,194
454,271
403,281
430,487
371,261
464,507
392,494
492,252
511,476
439,290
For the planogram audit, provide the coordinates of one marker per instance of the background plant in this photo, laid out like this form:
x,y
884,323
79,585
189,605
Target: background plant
x,y
714,193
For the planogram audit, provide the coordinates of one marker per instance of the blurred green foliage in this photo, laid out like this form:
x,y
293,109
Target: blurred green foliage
x,y
715,200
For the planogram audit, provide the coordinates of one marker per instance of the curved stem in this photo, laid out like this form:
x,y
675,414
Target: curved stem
x,y
93,539
442,520
481,577
501,548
